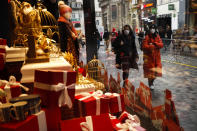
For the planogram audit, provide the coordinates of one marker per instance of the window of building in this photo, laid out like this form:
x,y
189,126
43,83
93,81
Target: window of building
x,y
114,11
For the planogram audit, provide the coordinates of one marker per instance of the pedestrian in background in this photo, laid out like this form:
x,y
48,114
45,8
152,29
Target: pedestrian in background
x,y
140,38
152,59
126,55
98,38
106,38
168,36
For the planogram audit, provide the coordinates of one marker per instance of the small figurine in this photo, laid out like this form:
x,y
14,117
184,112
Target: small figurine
x,y
68,34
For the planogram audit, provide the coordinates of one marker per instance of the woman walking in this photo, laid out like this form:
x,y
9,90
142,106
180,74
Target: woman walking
x,y
152,59
126,52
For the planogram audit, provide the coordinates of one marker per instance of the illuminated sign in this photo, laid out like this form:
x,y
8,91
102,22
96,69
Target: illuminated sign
x,y
148,5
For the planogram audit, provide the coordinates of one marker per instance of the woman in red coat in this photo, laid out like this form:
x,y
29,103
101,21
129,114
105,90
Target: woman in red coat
x,y
152,58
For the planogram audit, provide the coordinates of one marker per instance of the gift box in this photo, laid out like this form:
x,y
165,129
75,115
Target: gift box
x,y
116,102
56,87
93,123
93,103
35,122
2,61
2,53
3,41
126,122
12,89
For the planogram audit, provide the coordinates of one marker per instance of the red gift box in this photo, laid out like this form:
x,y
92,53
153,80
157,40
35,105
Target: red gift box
x,y
2,53
3,41
126,122
56,87
35,122
2,61
91,105
116,103
99,123
11,92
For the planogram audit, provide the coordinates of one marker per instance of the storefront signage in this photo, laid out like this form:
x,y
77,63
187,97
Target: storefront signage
x,y
153,10
148,5
171,7
75,19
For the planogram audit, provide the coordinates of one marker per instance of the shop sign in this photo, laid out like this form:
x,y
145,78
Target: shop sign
x,y
75,19
153,10
148,5
171,7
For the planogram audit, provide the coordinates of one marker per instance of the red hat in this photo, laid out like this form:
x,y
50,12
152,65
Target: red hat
x,y
64,8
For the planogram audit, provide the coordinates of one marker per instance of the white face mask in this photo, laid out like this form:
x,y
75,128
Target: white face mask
x,y
126,32
152,31
27,10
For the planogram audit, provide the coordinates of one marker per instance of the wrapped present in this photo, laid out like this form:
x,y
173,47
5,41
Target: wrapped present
x,y
2,53
33,103
125,115
35,122
56,87
3,41
91,123
2,61
81,88
94,103
126,122
116,102
11,88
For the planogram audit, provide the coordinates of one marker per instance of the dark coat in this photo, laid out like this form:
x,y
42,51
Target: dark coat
x,y
67,42
152,58
125,47
106,35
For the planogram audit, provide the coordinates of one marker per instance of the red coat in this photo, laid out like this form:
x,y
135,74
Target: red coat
x,y
152,58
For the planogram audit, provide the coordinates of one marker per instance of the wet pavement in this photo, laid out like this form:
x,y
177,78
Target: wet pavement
x,y
179,76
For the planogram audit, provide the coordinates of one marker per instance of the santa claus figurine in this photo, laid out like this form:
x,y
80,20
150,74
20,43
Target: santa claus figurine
x,y
68,34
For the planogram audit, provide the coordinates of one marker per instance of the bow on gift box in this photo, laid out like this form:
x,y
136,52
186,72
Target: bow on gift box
x,y
88,125
11,82
97,95
64,98
129,125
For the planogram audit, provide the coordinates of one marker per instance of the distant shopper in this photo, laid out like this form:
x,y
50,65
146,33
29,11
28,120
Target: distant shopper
x,y
141,37
98,38
126,52
152,60
106,38
168,36
114,34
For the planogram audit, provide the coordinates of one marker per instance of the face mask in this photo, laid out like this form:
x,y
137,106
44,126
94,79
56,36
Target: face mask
x,y
126,32
152,31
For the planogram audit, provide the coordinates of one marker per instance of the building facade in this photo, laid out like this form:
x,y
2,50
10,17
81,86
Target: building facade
x,y
115,13
77,14
168,12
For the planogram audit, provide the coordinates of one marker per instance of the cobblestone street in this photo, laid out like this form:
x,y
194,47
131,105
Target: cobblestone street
x,y
179,76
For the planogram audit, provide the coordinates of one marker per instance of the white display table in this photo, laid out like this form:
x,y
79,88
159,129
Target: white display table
x,y
28,70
